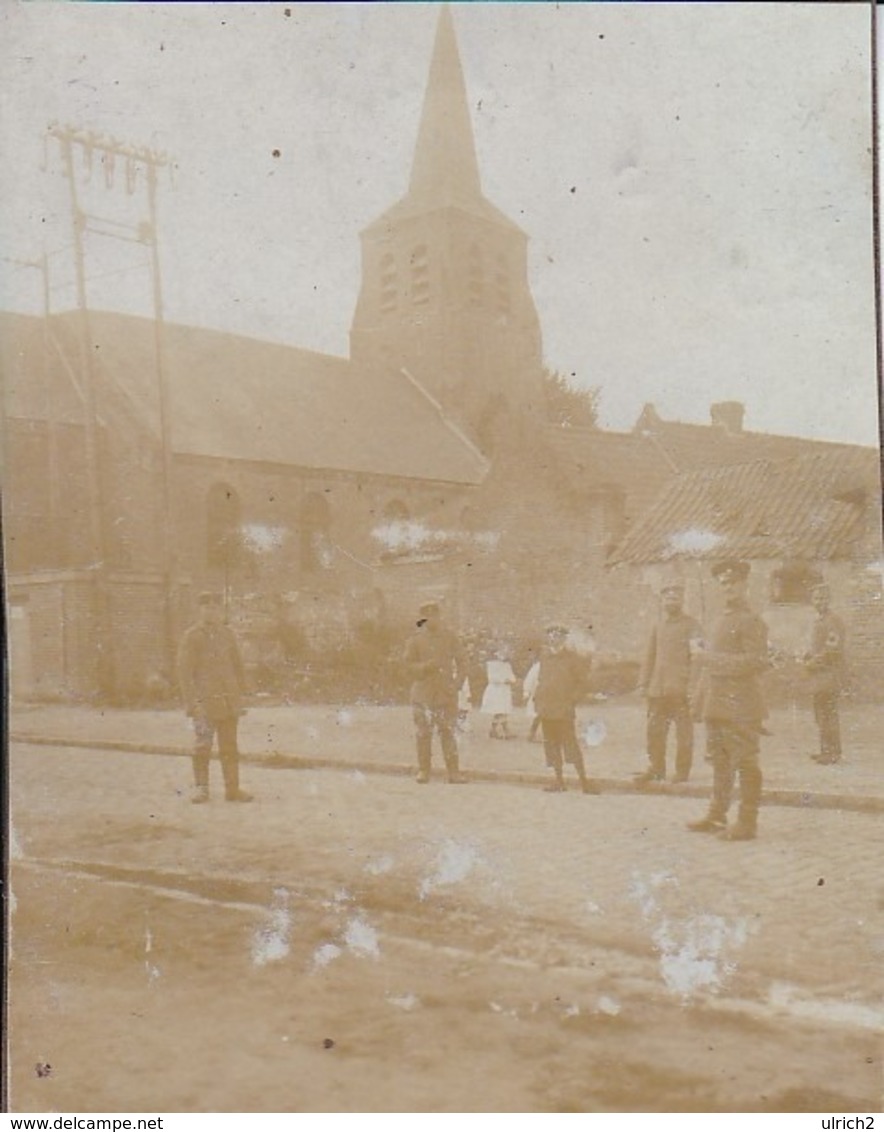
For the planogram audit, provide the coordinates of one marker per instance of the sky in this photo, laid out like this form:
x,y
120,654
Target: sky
x,y
695,180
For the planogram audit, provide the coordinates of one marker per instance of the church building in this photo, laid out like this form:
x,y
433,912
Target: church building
x,y
445,291
327,496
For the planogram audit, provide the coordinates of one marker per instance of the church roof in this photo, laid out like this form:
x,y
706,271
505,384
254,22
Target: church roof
x,y
29,360
445,160
445,169
240,398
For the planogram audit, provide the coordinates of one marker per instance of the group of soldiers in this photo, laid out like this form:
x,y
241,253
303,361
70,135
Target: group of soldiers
x,y
686,676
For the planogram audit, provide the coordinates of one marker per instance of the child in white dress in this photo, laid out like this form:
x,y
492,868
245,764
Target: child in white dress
x,y
497,700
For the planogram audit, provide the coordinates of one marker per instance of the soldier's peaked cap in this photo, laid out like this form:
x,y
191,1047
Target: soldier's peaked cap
x,y
672,588
730,569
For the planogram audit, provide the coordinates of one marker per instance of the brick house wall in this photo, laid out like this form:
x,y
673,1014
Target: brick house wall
x,y
58,614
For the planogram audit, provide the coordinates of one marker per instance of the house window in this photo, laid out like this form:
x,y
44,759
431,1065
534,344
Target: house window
x,y
793,582
315,530
389,284
223,525
420,276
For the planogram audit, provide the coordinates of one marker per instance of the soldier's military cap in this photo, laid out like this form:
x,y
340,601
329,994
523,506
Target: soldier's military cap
x,y
730,569
673,587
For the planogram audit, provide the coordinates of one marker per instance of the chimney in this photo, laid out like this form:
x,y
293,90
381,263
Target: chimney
x,y
648,420
728,415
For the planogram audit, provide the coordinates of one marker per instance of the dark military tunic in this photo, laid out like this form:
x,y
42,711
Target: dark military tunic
x,y
210,673
733,708
737,656
437,665
825,663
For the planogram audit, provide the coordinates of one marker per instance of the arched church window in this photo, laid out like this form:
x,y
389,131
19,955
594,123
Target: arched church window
x,y
315,526
389,284
420,276
475,277
502,285
223,525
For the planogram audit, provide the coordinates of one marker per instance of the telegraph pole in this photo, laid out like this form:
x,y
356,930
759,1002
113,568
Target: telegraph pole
x,y
132,158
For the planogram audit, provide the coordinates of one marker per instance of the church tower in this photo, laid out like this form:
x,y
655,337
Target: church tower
x,y
444,273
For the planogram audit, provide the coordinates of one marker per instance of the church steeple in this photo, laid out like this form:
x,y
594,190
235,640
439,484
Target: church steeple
x,y
445,290
445,169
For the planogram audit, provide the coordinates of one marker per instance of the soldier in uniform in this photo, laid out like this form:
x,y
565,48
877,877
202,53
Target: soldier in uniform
x,y
560,683
665,680
732,706
212,682
824,662
438,668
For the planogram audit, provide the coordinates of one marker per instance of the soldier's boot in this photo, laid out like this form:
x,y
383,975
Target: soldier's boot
x,y
745,828
451,757
655,770
586,786
741,830
714,822
230,771
200,778
424,759
456,777
557,786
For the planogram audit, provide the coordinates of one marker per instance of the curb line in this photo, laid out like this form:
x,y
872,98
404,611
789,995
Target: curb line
x,y
801,799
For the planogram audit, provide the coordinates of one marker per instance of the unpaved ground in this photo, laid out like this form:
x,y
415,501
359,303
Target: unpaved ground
x,y
143,1001
358,943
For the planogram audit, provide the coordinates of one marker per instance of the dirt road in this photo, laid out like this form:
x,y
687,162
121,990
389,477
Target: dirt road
x,y
355,944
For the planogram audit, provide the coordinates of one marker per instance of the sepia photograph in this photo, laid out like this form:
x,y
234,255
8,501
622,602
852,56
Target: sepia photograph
x,y
442,558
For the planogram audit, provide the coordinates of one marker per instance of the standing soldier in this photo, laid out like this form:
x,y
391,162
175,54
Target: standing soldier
x,y
665,680
560,684
438,668
825,664
732,706
212,682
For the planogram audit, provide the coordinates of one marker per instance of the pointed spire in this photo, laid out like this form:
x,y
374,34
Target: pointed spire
x,y
445,168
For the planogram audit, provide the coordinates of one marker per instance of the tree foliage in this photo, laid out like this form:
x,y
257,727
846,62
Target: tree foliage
x,y
566,404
